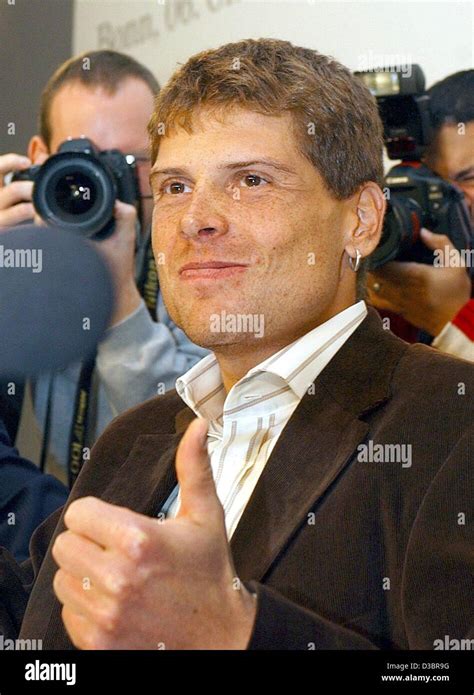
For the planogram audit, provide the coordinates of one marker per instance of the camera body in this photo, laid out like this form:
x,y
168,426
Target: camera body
x,y
76,188
419,198
416,196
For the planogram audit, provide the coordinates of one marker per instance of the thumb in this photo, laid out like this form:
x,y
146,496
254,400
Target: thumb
x,y
435,241
196,485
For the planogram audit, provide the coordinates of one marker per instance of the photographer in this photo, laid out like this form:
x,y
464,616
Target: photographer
x,y
108,98
433,298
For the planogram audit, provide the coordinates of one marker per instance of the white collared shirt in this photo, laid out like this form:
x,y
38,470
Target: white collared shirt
x,y
245,424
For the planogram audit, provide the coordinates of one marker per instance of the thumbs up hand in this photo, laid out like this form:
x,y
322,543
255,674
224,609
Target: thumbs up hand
x,y
127,581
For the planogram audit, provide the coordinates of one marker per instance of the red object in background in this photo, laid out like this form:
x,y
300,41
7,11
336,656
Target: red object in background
x,y
464,319
400,326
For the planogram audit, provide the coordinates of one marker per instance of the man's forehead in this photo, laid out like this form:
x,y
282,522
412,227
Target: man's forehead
x,y
236,135
220,118
107,119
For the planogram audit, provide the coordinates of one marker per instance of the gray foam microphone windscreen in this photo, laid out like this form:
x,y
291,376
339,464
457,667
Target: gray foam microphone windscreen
x,y
56,299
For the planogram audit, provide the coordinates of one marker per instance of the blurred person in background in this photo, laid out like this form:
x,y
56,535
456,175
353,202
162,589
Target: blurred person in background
x,y
437,299
27,497
107,97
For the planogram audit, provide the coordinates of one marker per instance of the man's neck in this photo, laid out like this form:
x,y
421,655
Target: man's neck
x,y
237,359
236,362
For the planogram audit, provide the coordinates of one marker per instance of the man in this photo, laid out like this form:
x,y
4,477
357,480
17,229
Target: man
x,y
437,299
286,529
107,97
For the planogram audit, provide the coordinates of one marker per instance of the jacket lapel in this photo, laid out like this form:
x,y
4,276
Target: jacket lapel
x,y
147,475
151,463
316,445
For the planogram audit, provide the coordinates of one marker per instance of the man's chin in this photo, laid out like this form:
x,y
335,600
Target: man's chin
x,y
215,341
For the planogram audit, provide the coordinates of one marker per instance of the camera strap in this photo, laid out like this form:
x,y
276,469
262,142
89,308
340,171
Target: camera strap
x,y
148,287
77,437
147,282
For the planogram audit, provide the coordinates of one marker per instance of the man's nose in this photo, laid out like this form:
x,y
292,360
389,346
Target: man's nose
x,y
204,217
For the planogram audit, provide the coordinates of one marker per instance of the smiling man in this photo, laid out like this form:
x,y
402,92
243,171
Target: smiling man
x,y
267,521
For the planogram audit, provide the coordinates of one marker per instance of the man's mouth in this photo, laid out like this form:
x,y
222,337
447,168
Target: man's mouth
x,y
211,270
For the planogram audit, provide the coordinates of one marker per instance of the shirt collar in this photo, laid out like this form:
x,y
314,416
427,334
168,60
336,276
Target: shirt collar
x,y
297,365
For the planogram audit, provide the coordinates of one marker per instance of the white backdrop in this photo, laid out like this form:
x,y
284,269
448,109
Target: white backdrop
x,y
439,35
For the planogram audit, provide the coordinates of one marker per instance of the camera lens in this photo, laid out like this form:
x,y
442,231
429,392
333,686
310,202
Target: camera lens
x,y
75,193
401,226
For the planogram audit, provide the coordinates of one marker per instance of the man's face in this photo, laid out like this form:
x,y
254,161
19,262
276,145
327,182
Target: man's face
x,y
117,121
219,199
454,159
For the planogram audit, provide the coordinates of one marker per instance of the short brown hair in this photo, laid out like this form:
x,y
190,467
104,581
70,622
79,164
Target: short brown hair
x,y
106,69
335,117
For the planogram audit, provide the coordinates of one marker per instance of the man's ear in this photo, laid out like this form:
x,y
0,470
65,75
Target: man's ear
x,y
38,150
370,209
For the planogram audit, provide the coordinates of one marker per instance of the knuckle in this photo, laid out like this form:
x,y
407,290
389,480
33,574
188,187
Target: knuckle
x,y
58,547
108,619
58,581
94,639
121,585
138,543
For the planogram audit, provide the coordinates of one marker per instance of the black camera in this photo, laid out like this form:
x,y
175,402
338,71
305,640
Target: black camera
x,y
416,196
76,188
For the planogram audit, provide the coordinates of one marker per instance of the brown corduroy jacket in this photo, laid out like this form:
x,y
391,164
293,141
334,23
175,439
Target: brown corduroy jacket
x,y
343,552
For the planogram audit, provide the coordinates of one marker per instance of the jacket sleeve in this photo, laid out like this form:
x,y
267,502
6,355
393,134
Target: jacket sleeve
x,y
282,624
438,578
16,580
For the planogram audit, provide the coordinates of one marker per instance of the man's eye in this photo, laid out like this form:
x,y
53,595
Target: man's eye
x,y
174,188
253,180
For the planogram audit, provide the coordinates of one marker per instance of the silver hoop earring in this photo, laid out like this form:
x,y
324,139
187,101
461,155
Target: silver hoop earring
x,y
355,266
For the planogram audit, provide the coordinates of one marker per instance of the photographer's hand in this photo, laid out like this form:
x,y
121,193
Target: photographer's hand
x,y
15,205
119,252
426,296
